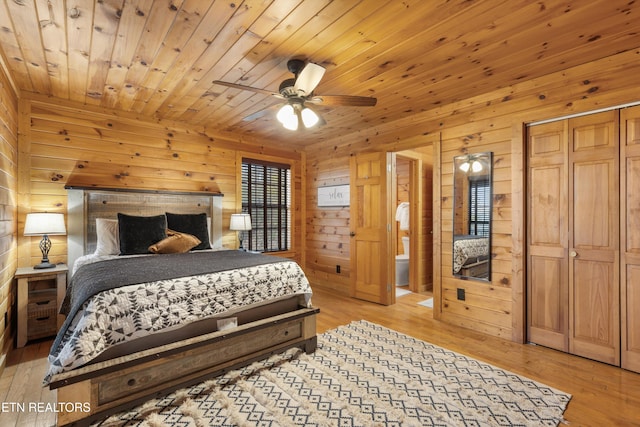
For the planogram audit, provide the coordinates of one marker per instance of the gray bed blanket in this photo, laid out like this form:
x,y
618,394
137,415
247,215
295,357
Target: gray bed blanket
x,y
104,275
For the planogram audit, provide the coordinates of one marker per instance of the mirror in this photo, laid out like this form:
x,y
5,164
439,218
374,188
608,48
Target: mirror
x,y
472,206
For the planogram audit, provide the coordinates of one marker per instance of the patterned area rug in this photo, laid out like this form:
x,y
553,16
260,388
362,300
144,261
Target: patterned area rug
x,y
362,374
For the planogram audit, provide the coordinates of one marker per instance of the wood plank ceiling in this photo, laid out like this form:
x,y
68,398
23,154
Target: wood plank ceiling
x,y
159,58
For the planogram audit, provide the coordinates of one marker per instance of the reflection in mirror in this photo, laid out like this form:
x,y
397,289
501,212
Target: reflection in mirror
x,y
472,205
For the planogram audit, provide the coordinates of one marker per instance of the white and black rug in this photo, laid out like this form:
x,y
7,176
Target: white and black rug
x,y
362,374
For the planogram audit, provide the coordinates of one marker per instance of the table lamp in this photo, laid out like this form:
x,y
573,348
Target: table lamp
x,y
44,224
240,222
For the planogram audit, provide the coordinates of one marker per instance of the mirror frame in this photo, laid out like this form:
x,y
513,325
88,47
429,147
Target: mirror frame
x,y
459,175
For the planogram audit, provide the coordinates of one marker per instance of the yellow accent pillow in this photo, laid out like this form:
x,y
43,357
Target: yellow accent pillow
x,y
175,243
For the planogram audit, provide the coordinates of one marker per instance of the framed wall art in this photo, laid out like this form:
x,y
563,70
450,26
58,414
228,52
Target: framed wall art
x,y
333,195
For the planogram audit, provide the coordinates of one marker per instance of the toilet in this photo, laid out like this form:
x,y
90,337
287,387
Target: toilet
x,y
402,264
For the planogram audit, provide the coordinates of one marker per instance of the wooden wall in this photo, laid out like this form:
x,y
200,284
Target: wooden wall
x,y
63,143
425,282
327,238
8,174
491,122
402,195
488,304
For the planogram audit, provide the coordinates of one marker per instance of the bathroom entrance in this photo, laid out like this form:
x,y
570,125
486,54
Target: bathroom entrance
x,y
374,230
413,219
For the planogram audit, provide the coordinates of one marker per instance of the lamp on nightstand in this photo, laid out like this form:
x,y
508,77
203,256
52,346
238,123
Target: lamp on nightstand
x,y
45,224
240,222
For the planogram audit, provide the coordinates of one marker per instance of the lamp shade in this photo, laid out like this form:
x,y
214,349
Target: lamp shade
x,y
309,117
476,166
288,117
39,224
472,163
240,222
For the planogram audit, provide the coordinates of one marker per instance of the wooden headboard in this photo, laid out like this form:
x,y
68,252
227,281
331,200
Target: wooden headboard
x,y
85,205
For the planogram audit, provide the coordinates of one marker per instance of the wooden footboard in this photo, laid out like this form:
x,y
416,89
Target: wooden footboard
x,y
97,391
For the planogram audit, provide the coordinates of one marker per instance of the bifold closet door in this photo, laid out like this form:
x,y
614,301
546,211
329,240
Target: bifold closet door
x,y
547,236
594,237
573,236
630,226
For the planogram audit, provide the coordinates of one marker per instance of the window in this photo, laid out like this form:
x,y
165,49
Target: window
x,y
479,206
266,196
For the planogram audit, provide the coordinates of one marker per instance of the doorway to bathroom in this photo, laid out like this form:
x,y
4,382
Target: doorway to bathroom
x,y
412,228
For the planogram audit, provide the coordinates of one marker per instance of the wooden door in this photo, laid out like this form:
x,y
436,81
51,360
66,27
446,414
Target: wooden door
x,y
371,254
630,227
573,286
547,272
594,283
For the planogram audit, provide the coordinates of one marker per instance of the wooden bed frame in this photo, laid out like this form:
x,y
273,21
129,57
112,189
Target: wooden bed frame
x,y
98,390
125,382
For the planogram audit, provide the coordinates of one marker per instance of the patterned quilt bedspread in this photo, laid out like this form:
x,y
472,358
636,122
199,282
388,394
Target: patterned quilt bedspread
x,y
127,312
467,248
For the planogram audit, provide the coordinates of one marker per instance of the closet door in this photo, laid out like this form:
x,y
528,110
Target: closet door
x,y
630,226
547,272
594,265
573,283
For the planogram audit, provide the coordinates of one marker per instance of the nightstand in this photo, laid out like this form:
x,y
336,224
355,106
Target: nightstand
x,y
40,295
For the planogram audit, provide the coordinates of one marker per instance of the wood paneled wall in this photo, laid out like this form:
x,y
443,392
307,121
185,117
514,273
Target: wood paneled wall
x,y
8,184
491,122
327,239
402,195
63,143
488,304
425,282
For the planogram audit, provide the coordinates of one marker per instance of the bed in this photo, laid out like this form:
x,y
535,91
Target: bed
x,y
140,325
469,251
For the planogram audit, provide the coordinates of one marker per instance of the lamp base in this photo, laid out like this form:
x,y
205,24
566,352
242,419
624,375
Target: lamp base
x,y
45,245
44,265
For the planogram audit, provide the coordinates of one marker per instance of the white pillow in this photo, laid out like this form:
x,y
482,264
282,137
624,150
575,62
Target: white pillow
x,y
108,240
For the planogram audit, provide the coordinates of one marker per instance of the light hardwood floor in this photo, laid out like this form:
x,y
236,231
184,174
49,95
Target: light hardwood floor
x,y
602,395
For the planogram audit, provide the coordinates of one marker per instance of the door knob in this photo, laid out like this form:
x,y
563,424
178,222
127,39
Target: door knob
x,y
573,254
352,234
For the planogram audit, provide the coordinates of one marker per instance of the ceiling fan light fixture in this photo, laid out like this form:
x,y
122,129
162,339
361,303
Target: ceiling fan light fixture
x,y
296,92
284,113
471,163
292,124
309,117
288,117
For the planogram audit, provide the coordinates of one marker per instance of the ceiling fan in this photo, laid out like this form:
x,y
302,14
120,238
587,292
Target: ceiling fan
x,y
298,93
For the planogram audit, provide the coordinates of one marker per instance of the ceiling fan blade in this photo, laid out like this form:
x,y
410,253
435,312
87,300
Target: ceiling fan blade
x,y
261,113
343,100
309,78
242,87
